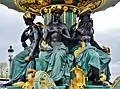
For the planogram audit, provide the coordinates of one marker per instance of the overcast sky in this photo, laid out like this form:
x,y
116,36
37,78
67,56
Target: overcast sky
x,y
106,25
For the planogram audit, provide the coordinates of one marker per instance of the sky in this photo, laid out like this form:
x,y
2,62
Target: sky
x,y
106,26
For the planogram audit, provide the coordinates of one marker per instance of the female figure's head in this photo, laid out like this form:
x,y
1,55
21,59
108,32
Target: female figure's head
x,y
29,18
56,13
85,16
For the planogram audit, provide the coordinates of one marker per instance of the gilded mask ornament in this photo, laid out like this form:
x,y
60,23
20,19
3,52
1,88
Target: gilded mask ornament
x,y
65,8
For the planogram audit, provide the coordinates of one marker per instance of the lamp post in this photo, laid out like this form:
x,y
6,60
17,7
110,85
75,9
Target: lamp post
x,y
10,55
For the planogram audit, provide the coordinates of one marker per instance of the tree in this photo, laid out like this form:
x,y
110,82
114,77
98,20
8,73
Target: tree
x,y
3,67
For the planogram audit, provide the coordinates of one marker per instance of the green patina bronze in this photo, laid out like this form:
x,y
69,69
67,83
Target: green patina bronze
x,y
69,18
64,36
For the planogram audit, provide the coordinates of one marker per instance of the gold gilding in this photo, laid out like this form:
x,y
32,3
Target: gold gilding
x,y
68,1
117,80
79,81
36,5
27,15
79,50
106,50
28,84
45,10
59,6
65,8
74,10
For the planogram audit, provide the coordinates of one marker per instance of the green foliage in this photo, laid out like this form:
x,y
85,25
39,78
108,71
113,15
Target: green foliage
x,y
3,68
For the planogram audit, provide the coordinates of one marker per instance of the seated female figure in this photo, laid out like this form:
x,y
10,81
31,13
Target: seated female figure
x,y
25,58
55,60
88,53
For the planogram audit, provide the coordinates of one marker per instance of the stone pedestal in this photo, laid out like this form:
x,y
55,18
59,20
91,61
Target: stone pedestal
x,y
63,87
13,87
96,87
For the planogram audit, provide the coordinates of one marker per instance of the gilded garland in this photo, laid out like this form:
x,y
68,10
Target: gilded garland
x,y
31,5
36,6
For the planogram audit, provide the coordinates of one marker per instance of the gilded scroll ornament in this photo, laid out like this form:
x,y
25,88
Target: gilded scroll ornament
x,y
68,1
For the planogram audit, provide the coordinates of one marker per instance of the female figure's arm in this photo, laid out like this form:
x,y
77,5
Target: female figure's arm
x,y
95,44
45,33
35,42
24,37
66,35
66,31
